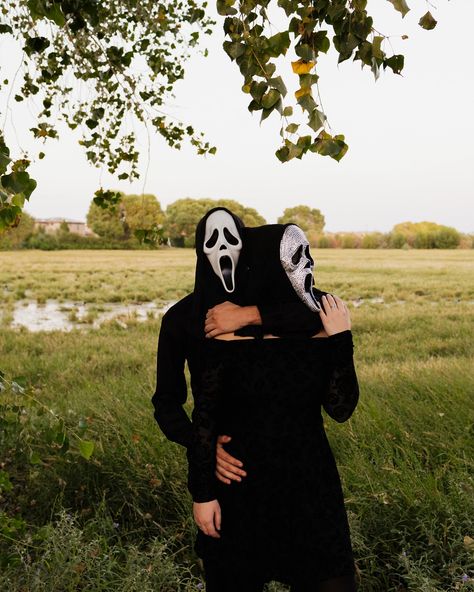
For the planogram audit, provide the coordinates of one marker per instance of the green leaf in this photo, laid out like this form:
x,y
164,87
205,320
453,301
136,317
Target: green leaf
x,y
18,200
5,28
278,44
326,145
364,53
35,458
307,103
288,111
295,151
308,80
305,52
258,89
56,15
65,447
86,449
395,62
316,120
19,182
278,84
91,123
270,98
36,45
321,41
4,157
5,483
224,7
427,21
401,6
292,128
234,49
377,47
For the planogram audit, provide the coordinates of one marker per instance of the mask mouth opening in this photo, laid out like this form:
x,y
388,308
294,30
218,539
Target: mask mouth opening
x,y
308,283
315,300
227,267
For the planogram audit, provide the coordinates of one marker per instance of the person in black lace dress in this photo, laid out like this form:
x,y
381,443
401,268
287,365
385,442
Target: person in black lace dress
x,y
286,519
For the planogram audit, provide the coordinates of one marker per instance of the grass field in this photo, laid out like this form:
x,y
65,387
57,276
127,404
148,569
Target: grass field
x,y
123,520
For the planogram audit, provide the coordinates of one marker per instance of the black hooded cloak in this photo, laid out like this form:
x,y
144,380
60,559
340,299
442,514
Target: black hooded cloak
x,y
268,284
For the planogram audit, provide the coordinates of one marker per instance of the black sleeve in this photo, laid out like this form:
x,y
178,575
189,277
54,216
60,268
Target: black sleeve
x,y
201,455
342,395
281,318
171,389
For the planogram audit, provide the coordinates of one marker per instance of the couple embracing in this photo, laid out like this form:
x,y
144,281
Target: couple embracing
x,y
266,351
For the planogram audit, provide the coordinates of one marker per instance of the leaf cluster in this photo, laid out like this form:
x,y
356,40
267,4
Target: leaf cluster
x,y
104,68
308,25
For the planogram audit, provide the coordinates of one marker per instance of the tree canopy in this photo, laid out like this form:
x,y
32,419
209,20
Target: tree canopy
x,y
307,218
183,215
103,67
310,220
128,214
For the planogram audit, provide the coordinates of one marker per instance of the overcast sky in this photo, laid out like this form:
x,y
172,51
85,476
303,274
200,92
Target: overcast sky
x,y
410,137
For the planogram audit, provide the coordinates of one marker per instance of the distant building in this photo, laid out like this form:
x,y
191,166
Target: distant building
x,y
52,225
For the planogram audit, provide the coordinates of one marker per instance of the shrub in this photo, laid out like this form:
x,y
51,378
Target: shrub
x,y
397,240
350,240
372,240
325,242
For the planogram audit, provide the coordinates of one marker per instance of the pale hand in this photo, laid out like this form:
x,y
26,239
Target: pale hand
x,y
207,516
227,466
227,317
334,315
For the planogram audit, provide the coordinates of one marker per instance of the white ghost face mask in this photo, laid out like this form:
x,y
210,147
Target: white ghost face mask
x,y
222,246
298,264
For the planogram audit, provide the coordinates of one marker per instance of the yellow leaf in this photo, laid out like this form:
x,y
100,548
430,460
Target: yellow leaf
x,y
302,67
468,543
302,91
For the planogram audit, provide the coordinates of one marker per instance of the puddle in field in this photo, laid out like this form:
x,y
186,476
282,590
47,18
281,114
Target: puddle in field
x,y
375,300
64,316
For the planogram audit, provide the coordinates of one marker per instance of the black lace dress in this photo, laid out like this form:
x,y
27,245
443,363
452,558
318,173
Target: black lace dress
x,y
287,516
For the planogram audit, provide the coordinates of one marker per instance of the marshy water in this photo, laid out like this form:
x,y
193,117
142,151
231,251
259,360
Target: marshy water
x,y
55,315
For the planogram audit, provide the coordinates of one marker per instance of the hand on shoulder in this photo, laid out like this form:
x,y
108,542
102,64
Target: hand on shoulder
x,y
334,315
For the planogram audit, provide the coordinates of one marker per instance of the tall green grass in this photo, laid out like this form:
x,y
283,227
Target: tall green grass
x,y
123,520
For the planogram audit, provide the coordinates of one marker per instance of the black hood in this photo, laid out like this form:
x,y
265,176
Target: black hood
x,y
208,287
268,282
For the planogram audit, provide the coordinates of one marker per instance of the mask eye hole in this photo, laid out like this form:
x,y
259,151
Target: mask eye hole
x,y
297,255
212,240
230,237
308,255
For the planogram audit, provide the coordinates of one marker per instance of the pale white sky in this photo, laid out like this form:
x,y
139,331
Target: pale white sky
x,y
410,138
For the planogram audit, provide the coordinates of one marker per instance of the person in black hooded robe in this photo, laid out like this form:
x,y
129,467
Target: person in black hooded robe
x,y
184,323
286,520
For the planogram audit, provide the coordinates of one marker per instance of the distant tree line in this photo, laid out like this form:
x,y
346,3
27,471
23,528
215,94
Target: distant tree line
x,y
115,226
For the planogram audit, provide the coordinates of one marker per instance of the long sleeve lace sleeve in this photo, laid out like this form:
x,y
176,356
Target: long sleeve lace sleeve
x,y
342,394
281,318
171,389
201,454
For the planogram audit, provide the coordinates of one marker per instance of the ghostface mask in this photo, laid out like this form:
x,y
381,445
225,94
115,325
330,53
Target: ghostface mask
x,y
222,246
298,264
